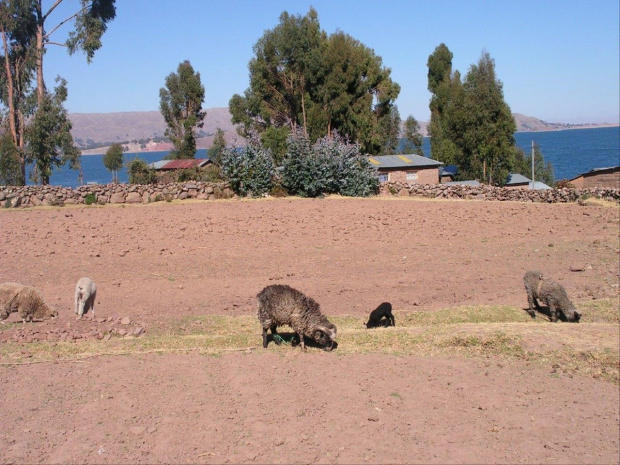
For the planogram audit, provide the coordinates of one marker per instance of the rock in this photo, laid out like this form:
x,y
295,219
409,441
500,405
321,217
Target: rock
x,y
577,267
133,197
125,321
138,331
118,197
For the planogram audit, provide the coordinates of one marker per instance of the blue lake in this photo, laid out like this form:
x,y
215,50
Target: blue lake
x,y
570,152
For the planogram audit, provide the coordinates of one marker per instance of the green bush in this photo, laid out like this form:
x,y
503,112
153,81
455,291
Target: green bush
x,y
140,173
90,199
249,170
329,166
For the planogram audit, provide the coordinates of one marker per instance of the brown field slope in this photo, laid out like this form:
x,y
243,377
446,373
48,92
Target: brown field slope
x,y
465,376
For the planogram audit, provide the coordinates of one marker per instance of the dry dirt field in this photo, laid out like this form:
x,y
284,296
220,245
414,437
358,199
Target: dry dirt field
x,y
171,368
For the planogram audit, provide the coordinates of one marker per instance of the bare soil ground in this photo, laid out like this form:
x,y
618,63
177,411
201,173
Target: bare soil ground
x,y
171,368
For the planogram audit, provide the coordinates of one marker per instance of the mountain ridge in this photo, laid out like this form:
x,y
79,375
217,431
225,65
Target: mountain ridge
x,y
143,131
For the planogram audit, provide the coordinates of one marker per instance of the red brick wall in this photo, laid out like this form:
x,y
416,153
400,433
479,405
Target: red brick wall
x,y
598,180
425,176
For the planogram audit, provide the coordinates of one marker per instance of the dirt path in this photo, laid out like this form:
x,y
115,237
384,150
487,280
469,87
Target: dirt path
x,y
159,264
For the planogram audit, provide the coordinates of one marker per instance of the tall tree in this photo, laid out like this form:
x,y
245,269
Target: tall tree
x,y
413,138
17,29
49,135
26,33
217,149
488,127
90,21
444,87
302,78
113,160
181,106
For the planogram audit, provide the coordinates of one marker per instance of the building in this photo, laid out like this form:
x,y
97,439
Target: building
x,y
598,177
518,181
183,164
409,168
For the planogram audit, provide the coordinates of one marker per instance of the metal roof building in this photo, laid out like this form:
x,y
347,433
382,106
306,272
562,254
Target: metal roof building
x,y
403,161
166,165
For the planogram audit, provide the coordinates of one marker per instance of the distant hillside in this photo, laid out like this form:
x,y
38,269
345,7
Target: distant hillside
x,y
141,130
144,130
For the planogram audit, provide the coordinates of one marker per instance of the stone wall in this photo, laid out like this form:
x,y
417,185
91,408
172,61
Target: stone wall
x,y
484,192
33,196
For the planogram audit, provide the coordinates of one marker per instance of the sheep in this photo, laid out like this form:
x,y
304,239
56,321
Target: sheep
x,y
85,294
381,317
552,294
26,301
282,305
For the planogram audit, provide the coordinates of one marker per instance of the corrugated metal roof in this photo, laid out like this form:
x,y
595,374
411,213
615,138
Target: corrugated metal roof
x,y
516,178
539,186
185,164
158,164
473,182
402,161
597,170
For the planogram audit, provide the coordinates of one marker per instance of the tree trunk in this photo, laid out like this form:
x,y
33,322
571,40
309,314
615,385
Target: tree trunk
x,y
39,52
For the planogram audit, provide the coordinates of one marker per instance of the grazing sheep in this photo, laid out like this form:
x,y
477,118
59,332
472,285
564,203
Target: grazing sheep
x,y
25,300
282,305
85,294
381,317
552,294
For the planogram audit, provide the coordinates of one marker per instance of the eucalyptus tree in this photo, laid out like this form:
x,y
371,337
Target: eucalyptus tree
x,y
49,135
181,106
217,149
443,86
413,138
113,160
488,145
28,28
17,28
301,78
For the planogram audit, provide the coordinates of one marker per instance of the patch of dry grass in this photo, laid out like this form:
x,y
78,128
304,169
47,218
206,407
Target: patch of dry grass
x,y
589,348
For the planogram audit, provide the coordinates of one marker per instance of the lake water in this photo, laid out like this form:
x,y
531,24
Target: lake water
x,y
570,152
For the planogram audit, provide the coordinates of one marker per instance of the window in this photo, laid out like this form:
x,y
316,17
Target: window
x,y
383,178
412,176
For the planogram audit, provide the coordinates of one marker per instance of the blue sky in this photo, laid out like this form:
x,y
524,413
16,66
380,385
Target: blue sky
x,y
558,60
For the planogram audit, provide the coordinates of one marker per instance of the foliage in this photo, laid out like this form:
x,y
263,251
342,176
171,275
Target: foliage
x,y
139,172
471,124
113,160
249,170
488,143
10,171
219,144
412,136
181,106
91,22
49,135
301,78
444,90
90,199
564,184
331,165
17,29
542,171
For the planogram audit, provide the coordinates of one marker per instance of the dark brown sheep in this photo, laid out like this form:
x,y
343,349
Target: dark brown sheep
x,y
381,317
282,305
550,293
